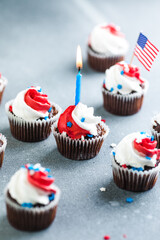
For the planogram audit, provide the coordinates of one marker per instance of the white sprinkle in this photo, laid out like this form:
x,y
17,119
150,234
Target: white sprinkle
x,y
114,203
113,145
102,189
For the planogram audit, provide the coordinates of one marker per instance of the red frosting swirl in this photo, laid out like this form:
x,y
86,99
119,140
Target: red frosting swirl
x,y
72,130
147,147
41,180
113,29
132,72
37,100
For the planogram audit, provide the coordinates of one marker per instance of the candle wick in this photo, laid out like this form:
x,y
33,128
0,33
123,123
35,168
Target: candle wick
x,y
79,69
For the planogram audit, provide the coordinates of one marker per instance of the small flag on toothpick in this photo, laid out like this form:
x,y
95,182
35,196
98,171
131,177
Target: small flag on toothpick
x,y
145,51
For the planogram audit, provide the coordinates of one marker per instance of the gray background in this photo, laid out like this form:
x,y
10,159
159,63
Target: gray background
x,y
38,41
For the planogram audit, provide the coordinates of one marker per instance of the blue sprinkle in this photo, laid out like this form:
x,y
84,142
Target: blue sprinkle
x,y
122,72
119,86
137,169
90,135
23,167
31,167
29,205
51,197
104,81
69,124
40,90
142,132
49,176
113,153
47,170
152,138
36,169
111,90
149,158
46,117
82,119
50,109
129,200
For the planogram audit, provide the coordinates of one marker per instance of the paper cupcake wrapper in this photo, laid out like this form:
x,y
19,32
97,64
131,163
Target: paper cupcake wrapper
x,y
32,131
31,219
76,149
2,149
134,181
2,88
101,62
156,137
122,104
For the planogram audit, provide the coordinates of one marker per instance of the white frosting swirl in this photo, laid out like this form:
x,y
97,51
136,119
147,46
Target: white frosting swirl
x,y
126,154
22,110
114,78
23,191
104,42
80,112
3,83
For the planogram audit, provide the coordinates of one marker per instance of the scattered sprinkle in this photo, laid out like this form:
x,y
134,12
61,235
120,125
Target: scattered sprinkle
x,y
51,197
113,145
29,205
103,120
113,153
124,166
82,119
46,117
119,86
124,236
111,90
137,169
122,72
102,189
129,200
107,237
40,90
149,158
69,124
10,108
90,135
152,138
50,109
142,132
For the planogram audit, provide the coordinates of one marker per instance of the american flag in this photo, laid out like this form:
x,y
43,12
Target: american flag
x,y
145,51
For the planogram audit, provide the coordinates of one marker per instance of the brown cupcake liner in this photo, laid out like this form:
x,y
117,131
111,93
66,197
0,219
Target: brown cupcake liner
x,y
1,94
122,104
76,149
33,131
134,181
2,149
31,219
156,137
101,62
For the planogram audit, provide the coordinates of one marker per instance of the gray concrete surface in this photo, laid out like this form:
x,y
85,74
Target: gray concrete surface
x,y
38,41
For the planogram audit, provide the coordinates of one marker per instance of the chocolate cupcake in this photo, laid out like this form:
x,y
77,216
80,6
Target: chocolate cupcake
x,y
31,115
106,46
3,144
78,133
31,198
123,89
3,83
156,128
135,162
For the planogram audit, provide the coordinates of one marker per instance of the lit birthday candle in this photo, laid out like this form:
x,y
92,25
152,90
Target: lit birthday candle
x,y
79,76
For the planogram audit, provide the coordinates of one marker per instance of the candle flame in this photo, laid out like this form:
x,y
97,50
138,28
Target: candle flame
x,y
79,58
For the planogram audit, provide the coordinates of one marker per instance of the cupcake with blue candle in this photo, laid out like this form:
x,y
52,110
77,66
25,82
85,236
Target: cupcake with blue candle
x,y
78,133
123,89
31,198
31,115
136,162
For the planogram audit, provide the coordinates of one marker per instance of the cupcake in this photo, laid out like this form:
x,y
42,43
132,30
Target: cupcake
x,y
31,198
106,46
3,144
123,89
78,133
135,162
3,83
31,115
156,128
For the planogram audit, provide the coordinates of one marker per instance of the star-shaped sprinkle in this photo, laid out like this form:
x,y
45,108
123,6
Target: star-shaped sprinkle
x,y
102,189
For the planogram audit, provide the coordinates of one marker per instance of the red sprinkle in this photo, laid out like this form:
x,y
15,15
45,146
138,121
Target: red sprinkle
x,y
0,75
106,237
124,235
124,166
10,108
103,120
